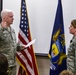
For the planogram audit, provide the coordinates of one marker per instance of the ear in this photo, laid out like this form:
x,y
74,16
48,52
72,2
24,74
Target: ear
x,y
4,19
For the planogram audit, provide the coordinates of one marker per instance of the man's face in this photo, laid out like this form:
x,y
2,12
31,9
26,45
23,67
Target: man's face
x,y
9,18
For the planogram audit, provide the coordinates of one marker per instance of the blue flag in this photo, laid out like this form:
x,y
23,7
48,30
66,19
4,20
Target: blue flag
x,y
57,52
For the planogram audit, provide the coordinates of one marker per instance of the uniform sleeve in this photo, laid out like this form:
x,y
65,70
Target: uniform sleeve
x,y
75,52
1,32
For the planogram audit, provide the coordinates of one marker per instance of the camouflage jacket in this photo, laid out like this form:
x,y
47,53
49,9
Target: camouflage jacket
x,y
8,44
71,57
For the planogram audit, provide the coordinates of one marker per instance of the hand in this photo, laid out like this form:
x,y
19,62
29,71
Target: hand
x,y
4,24
24,47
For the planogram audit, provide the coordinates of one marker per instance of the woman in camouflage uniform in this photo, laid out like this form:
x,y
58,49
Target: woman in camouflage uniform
x,y
71,57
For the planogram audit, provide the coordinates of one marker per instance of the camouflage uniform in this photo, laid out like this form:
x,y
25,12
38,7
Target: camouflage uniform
x,y
71,57
8,46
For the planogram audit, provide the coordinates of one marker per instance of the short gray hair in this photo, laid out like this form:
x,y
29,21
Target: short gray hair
x,y
4,12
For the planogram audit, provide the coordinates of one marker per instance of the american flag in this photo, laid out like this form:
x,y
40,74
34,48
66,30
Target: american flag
x,y
26,57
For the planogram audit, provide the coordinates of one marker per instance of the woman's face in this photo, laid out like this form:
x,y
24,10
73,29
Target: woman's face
x,y
72,30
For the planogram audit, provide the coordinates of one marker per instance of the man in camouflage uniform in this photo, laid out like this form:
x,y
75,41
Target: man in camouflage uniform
x,y
71,57
8,44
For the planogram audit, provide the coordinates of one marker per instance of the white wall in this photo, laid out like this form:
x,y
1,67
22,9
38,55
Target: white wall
x,y
41,15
